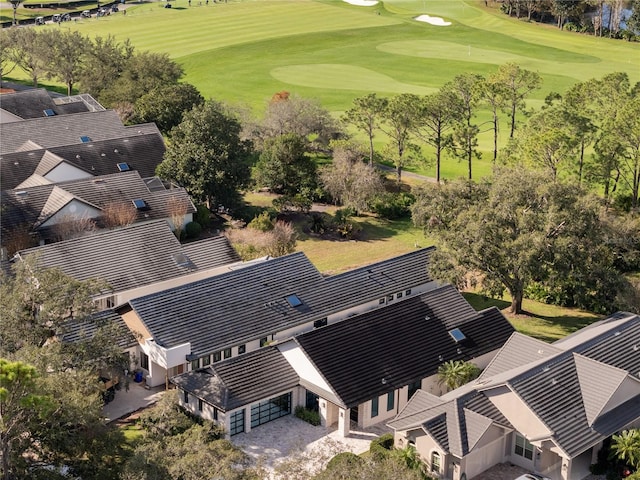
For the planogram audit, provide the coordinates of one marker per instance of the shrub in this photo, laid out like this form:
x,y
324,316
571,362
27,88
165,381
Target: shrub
x,y
309,416
343,459
345,228
262,222
393,205
381,446
193,229
203,215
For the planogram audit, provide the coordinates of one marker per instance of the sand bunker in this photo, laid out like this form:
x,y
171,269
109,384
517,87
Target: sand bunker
x,y
437,21
362,3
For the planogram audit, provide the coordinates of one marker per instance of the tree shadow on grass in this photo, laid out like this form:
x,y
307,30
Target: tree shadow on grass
x,y
480,302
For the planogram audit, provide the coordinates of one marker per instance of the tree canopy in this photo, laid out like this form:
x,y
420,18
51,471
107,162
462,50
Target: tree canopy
x,y
206,155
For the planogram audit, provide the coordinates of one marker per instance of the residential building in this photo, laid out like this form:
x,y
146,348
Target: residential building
x,y
358,371
545,407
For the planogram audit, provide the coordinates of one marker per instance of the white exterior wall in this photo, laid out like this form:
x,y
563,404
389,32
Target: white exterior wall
x,y
72,210
64,172
162,359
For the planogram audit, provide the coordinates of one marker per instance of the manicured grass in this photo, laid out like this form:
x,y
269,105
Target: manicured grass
x,y
542,321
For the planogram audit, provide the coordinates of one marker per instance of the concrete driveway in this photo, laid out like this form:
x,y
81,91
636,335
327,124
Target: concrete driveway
x,y
127,402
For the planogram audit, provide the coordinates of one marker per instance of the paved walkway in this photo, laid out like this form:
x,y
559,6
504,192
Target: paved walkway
x,y
291,441
126,402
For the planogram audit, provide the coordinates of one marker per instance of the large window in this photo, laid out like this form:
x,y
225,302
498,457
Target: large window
x,y
227,353
391,400
144,361
271,409
523,447
435,462
206,360
374,407
414,387
236,422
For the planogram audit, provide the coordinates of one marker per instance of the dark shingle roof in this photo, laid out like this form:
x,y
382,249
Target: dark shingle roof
x,y
142,153
107,321
132,256
32,103
62,130
246,304
33,206
401,343
211,252
242,380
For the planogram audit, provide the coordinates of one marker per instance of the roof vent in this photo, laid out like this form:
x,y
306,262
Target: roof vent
x,y
78,156
115,150
140,204
440,358
457,335
459,350
554,381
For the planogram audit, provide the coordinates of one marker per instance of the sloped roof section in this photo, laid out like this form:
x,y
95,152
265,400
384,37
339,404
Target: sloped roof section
x,y
241,380
32,103
399,344
107,321
413,412
131,256
519,350
245,304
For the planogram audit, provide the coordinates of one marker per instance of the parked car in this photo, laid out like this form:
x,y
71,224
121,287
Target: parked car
x,y
55,18
168,5
114,9
65,17
532,476
103,12
39,21
85,14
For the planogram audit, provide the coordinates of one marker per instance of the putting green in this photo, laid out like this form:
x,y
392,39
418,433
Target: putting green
x,y
344,77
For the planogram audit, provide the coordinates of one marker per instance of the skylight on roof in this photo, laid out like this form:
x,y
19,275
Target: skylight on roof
x,y
123,167
85,139
457,335
293,300
49,112
140,204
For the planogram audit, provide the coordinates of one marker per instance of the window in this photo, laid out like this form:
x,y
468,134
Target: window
x,y
414,387
264,341
140,204
123,167
374,407
194,365
85,139
381,301
457,335
523,447
206,360
49,112
242,349
399,295
185,396
435,462
293,300
408,292
227,353
389,298
236,422
144,361
391,401
199,404
215,413
217,356
320,323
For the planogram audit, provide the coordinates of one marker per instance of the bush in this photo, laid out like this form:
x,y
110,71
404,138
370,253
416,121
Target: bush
x,y
262,222
203,215
393,206
343,459
193,229
309,416
381,446
345,228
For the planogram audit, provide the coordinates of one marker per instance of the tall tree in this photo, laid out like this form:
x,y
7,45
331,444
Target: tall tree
x,y
399,120
31,52
66,56
628,129
494,94
520,230
436,116
466,88
103,63
349,180
165,106
7,47
284,166
206,155
517,83
365,115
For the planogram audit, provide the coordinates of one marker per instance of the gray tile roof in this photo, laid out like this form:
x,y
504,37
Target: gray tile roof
x,y
132,256
107,321
249,303
33,206
32,103
396,345
62,130
141,152
241,380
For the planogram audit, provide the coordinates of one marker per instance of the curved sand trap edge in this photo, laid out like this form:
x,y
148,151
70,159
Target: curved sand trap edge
x,y
362,3
437,21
